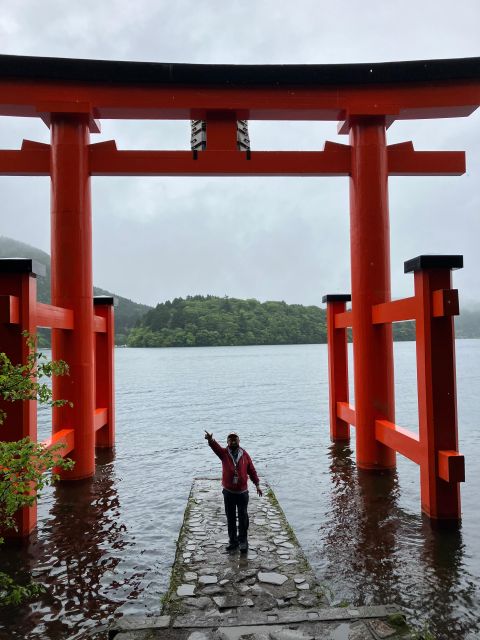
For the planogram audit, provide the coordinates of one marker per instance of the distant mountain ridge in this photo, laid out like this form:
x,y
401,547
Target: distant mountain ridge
x,y
214,321
127,312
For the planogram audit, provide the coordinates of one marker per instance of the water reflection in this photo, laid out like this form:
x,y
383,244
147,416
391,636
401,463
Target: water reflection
x,y
379,553
449,591
362,527
372,545
73,557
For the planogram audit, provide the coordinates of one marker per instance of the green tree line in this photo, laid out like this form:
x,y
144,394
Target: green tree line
x,y
198,321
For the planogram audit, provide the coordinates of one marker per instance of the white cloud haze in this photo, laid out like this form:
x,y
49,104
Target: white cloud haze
x,y
269,238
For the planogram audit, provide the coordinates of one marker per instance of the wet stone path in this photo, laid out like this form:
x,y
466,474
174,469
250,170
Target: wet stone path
x,y
269,593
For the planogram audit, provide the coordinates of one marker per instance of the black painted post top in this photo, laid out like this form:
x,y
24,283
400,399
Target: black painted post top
x,y
433,262
337,297
107,300
22,265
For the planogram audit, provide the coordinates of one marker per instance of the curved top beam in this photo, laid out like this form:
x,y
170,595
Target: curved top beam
x,y
230,75
39,87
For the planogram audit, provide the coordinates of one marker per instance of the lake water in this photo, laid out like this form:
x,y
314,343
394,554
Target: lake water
x,y
104,547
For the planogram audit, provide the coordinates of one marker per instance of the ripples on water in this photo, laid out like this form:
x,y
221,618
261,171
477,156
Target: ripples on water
x,y
104,547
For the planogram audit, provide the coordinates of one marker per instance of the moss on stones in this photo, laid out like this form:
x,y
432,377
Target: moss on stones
x,y
171,604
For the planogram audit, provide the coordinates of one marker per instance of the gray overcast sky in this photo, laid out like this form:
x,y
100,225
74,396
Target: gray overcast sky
x,y
268,238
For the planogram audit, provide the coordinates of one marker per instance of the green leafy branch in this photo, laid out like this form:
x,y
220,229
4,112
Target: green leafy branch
x,y
26,381
14,593
24,464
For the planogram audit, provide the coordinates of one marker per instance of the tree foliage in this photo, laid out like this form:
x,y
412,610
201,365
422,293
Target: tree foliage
x,y
26,381
24,464
212,321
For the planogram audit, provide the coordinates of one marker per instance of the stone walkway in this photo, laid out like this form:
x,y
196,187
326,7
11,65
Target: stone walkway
x,y
270,593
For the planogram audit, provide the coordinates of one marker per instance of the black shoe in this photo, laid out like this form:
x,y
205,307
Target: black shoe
x,y
243,547
232,546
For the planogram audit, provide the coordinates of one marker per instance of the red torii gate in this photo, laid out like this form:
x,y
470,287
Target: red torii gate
x,y
71,96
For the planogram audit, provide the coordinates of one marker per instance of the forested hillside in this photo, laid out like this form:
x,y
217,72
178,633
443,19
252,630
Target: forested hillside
x,y
211,321
126,311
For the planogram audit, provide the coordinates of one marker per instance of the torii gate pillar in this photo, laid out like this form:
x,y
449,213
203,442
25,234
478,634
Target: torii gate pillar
x,y
72,285
370,265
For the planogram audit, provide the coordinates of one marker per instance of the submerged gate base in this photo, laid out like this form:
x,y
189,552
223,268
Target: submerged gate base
x,y
435,448
79,432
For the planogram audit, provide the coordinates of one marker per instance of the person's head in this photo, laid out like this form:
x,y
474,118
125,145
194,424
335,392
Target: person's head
x,y
233,441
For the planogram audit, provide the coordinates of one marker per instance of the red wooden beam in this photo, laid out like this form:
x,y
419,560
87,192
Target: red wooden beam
x,y
65,437
343,320
449,98
445,303
54,317
451,466
101,418
106,160
45,110
47,315
346,412
32,160
403,160
394,311
398,439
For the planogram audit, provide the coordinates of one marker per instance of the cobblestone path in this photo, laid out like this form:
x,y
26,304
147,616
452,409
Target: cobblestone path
x,y
269,593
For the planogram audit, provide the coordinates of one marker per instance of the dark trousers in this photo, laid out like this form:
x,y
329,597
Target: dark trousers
x,y
234,502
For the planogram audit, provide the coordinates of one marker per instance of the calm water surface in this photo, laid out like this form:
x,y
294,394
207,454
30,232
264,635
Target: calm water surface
x,y
104,547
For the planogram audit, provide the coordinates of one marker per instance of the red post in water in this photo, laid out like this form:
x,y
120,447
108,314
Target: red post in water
x,y
72,285
370,267
18,299
337,365
441,467
104,371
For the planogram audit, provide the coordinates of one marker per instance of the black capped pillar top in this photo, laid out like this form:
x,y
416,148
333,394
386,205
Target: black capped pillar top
x,y
108,300
337,297
433,262
22,265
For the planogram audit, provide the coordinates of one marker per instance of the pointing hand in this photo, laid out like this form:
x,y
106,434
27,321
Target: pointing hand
x,y
208,436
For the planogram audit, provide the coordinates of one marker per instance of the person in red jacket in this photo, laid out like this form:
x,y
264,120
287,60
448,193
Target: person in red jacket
x,y
236,467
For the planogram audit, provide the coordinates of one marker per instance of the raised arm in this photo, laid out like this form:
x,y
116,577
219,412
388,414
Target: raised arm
x,y
216,448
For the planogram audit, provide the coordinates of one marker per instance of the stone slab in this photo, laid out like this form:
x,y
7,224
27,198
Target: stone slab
x,y
138,623
232,602
185,590
222,630
272,578
296,616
